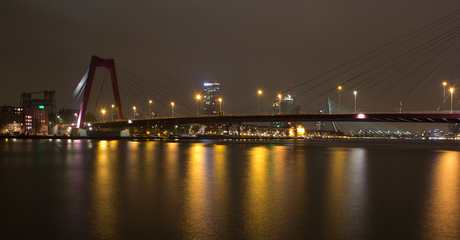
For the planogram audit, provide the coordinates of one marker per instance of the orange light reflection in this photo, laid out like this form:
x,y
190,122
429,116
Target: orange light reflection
x,y
444,208
103,194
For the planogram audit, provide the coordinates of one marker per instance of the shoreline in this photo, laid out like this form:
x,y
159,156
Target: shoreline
x,y
410,144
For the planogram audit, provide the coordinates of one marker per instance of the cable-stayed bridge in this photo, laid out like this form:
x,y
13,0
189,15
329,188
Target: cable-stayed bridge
x,y
419,71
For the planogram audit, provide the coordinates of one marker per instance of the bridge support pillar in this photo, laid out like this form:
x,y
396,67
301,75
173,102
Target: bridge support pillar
x,y
78,132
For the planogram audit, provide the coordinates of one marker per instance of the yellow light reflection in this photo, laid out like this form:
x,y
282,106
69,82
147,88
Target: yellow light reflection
x,y
103,193
221,180
172,170
260,192
443,210
198,205
336,189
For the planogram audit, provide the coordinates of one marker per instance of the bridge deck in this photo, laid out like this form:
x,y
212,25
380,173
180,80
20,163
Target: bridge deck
x,y
372,117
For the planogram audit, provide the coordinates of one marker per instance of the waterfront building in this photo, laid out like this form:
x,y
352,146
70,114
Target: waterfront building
x,y
36,121
18,120
11,119
211,95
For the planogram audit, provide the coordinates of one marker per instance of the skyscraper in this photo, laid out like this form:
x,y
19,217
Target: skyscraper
x,y
211,94
287,106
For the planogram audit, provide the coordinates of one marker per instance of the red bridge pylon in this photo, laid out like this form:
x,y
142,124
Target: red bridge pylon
x,y
110,65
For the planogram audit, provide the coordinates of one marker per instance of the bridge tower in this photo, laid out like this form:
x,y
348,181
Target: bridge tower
x,y
110,65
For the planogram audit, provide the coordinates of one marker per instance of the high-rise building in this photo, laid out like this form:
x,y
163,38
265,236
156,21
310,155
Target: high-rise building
x,y
211,95
287,106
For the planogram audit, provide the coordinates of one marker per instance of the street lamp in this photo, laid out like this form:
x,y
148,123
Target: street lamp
x,y
134,113
444,96
260,93
103,115
355,92
340,88
220,105
197,103
76,115
112,111
150,113
279,107
451,98
172,109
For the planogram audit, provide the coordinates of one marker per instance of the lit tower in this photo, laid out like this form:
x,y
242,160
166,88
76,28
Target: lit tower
x,y
211,95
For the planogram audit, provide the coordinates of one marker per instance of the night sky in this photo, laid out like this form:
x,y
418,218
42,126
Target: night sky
x,y
246,45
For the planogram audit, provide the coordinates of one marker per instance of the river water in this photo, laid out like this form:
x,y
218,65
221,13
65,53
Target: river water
x,y
215,189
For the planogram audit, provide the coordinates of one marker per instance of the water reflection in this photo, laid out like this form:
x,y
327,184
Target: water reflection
x,y
220,189
104,206
357,204
197,207
193,190
260,193
444,205
335,209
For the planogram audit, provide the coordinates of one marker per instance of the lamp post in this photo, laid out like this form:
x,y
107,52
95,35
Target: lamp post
x,y
279,103
112,111
76,116
220,105
134,112
260,93
197,103
172,109
444,96
340,88
451,99
150,111
103,115
355,92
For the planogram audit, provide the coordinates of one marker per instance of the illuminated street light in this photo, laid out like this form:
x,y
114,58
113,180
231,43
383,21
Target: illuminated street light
x,y
279,107
134,113
76,116
150,112
172,109
260,93
220,105
112,111
444,96
451,99
103,115
340,88
355,92
198,97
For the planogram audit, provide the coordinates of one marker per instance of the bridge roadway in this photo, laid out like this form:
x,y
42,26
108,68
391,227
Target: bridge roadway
x,y
417,117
